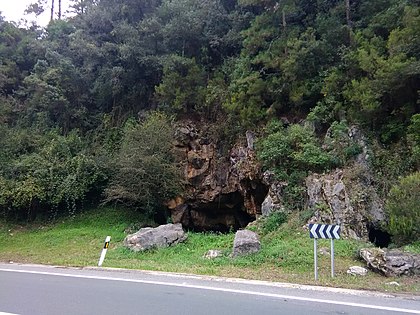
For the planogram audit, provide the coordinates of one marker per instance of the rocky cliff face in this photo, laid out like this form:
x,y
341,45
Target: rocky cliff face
x,y
229,191
222,192
339,198
347,197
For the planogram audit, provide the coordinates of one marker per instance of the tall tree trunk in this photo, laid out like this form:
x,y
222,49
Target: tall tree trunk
x,y
283,16
59,9
52,10
348,19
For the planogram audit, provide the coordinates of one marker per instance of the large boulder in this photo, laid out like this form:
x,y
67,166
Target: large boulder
x,y
162,236
391,262
245,242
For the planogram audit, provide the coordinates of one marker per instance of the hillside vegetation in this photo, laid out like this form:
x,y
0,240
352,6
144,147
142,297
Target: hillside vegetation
x,y
87,104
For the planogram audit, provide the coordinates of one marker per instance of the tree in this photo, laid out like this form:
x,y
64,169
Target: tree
x,y
403,209
183,86
146,175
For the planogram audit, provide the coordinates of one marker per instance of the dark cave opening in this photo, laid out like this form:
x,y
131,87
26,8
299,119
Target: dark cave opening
x,y
224,214
379,237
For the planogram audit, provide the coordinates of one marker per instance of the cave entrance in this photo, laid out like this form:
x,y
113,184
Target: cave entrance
x,y
379,237
226,213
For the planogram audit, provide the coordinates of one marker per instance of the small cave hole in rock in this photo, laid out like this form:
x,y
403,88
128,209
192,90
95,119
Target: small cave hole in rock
x,y
378,237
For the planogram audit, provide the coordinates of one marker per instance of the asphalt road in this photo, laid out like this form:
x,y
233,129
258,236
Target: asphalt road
x,y
29,289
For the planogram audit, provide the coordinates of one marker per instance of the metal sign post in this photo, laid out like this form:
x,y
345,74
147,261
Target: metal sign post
x,y
315,259
103,253
324,231
332,258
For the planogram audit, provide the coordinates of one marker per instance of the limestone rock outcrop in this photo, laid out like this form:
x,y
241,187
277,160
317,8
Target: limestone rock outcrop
x,y
347,196
273,202
223,191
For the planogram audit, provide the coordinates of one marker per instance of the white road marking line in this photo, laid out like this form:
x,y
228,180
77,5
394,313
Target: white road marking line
x,y
1,313
183,285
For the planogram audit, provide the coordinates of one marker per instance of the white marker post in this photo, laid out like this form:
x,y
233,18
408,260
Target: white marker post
x,y
106,245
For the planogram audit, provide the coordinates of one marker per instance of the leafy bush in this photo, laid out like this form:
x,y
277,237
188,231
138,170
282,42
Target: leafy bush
x,y
340,145
46,172
145,172
182,87
403,209
413,136
291,153
389,163
273,221
295,147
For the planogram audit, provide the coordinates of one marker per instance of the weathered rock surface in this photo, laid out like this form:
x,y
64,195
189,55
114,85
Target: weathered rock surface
x,y
274,200
161,236
222,192
357,271
245,242
391,262
347,196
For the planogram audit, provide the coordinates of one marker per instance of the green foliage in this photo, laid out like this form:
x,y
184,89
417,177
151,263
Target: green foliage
x,y
403,210
293,148
273,221
183,86
413,137
238,63
390,163
338,143
44,174
145,172
291,152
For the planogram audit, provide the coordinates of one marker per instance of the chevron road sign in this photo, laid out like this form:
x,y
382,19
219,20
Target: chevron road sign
x,y
324,231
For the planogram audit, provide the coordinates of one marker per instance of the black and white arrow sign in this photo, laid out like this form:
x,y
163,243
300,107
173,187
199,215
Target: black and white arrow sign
x,y
324,231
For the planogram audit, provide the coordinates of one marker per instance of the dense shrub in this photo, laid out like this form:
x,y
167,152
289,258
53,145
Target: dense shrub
x,y
413,137
145,172
291,152
273,221
403,209
339,144
46,174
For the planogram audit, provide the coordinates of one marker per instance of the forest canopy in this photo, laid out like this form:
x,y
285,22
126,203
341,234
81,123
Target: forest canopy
x,y
69,91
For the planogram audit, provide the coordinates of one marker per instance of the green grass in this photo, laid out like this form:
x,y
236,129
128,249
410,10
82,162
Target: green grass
x,y
286,254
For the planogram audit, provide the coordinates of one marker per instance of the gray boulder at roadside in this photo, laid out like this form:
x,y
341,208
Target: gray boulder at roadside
x,y
161,236
245,242
391,262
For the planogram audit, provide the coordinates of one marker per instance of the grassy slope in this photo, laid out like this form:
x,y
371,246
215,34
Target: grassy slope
x,y
286,255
